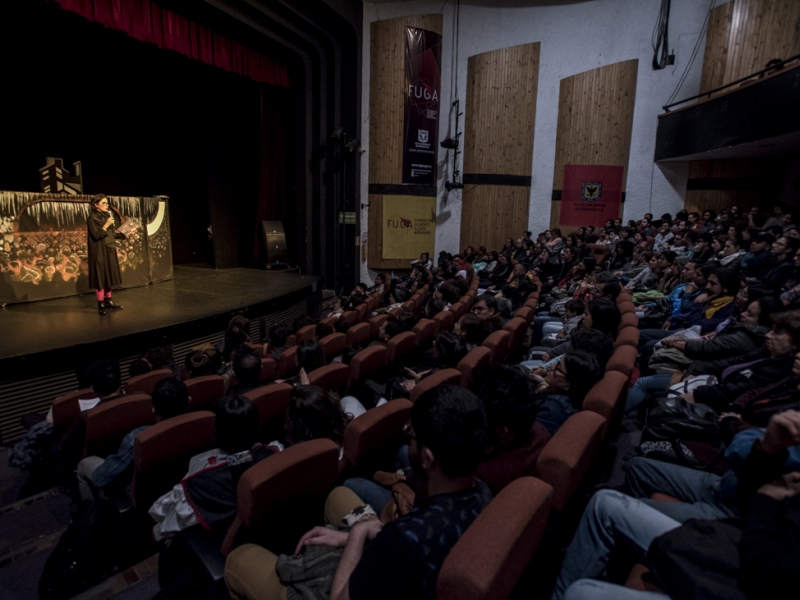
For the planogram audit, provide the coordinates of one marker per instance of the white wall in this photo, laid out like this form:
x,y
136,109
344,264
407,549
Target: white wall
x,y
575,36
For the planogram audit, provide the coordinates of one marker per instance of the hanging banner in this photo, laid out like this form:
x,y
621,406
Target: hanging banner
x,y
591,195
409,226
423,82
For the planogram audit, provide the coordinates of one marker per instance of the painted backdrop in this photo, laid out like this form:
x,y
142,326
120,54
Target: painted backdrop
x,y
43,244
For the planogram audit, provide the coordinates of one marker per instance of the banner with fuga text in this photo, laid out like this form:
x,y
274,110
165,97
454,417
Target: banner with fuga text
x,y
591,195
409,226
421,119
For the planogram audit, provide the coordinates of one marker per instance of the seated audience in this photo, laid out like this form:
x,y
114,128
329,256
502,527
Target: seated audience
x,y
448,432
170,398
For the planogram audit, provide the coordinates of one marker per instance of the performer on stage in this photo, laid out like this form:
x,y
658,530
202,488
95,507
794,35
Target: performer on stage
x,y
103,264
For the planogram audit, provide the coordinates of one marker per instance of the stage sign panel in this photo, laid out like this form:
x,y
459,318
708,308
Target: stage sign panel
x,y
421,124
159,241
409,226
591,195
43,250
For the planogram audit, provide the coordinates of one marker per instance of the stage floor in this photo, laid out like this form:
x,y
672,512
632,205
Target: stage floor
x,y
196,301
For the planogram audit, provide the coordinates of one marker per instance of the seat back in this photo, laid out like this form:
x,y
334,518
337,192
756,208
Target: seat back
x,y
287,365
401,345
358,334
626,307
331,378
301,335
474,363
568,455
628,337
624,296
628,320
375,436
271,402
526,312
494,551
375,324
426,331
458,309
606,396
109,422
367,361
161,454
282,492
269,369
446,320
204,390
66,407
517,328
498,343
441,377
146,382
332,345
362,312
623,360
349,317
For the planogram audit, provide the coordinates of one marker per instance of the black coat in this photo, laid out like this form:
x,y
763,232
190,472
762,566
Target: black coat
x,y
736,340
103,264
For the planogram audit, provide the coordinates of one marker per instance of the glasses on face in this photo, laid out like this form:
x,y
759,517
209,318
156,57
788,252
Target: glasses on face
x,y
479,309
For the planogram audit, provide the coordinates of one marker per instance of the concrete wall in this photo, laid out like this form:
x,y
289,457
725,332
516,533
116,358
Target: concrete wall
x,y
575,36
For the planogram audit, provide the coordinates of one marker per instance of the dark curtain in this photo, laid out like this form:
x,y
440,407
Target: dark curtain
x,y
274,188
146,21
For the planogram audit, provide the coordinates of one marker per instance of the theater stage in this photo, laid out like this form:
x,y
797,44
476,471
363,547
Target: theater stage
x,y
42,342
195,303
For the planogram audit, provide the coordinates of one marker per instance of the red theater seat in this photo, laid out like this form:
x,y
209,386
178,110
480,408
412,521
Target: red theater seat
x,y
358,334
331,378
204,390
109,422
498,343
146,383
474,363
442,377
375,435
367,362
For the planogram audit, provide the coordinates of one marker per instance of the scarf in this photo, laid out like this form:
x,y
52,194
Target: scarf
x,y
716,304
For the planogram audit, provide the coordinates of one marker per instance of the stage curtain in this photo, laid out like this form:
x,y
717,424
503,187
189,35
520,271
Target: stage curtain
x,y
273,184
146,21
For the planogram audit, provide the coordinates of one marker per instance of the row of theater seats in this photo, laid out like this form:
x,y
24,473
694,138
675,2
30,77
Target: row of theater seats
x,y
489,559
514,521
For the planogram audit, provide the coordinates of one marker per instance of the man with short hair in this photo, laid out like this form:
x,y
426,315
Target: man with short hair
x,y
401,559
170,398
247,368
783,249
760,258
486,309
776,220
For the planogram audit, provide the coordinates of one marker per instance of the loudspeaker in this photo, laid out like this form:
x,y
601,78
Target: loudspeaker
x,y
274,241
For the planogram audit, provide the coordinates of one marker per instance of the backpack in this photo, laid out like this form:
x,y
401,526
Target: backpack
x,y
673,426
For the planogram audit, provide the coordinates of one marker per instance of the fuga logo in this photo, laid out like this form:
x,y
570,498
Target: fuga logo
x,y
419,91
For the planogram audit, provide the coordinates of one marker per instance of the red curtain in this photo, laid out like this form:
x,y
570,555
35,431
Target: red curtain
x,y
146,21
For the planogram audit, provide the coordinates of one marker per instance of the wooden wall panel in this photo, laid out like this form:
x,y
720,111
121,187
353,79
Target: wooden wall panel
x,y
760,31
387,94
716,54
500,112
744,182
386,114
595,121
492,213
500,116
